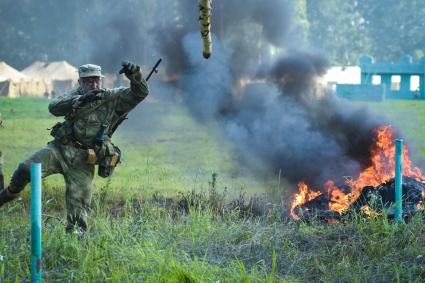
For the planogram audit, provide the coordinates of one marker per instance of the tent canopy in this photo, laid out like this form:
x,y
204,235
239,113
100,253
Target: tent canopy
x,y
9,73
60,70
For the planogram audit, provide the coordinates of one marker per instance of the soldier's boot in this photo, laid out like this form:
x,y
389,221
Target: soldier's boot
x,y
77,226
6,196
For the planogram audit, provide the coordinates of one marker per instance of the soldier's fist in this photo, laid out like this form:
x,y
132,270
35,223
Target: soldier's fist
x,y
131,71
93,95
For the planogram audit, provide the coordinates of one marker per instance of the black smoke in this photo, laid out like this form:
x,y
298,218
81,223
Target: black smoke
x,y
288,126
112,32
116,43
280,120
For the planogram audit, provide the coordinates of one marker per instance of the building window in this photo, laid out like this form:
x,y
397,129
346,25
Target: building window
x,y
376,79
395,83
414,83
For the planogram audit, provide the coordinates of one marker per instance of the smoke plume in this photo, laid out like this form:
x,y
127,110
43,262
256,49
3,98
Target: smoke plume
x,y
277,117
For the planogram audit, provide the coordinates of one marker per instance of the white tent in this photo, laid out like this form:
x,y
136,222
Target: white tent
x,y
34,70
9,73
15,84
60,70
62,75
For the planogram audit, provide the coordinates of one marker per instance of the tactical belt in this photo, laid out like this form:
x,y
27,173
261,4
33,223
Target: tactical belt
x,y
91,154
78,144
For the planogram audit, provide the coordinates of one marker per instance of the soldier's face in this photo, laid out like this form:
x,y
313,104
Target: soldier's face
x,y
89,83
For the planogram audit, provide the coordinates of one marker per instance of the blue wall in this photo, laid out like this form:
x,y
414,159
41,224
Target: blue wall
x,y
366,91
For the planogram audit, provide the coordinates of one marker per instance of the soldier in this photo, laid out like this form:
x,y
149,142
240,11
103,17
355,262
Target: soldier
x,y
83,139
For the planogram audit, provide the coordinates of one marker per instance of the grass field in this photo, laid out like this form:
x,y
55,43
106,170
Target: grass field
x,y
135,236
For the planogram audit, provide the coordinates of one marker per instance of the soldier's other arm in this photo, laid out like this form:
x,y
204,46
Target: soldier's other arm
x,y
63,105
131,96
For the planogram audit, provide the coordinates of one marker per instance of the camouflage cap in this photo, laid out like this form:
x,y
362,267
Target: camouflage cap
x,y
90,70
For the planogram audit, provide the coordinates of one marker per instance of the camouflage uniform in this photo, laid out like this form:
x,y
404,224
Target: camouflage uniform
x,y
67,154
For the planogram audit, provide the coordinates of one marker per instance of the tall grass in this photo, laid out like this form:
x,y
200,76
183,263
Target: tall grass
x,y
143,242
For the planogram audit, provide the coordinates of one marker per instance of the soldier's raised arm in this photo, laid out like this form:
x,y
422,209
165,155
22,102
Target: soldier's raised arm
x,y
137,91
63,105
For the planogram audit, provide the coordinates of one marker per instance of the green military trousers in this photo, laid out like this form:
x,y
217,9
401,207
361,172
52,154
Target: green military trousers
x,y
71,163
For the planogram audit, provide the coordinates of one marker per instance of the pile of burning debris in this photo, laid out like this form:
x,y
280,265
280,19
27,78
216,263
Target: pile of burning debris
x,y
372,200
372,192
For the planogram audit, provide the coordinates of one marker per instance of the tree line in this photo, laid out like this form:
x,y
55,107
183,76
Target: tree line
x,y
78,30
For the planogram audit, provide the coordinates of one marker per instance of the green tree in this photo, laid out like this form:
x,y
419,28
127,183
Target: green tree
x,y
34,31
396,28
338,29
301,25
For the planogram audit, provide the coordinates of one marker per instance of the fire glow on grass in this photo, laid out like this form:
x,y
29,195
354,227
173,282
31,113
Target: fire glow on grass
x,y
381,170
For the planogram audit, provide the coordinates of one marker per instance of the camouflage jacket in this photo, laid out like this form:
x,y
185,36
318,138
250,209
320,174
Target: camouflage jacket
x,y
86,120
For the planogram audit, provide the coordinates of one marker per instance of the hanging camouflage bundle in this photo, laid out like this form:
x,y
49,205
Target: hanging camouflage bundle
x,y
205,25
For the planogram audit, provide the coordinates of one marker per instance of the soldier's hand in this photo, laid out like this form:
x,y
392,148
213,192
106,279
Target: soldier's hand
x,y
93,95
131,71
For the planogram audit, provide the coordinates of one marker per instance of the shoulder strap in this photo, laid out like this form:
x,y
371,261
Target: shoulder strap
x,y
121,119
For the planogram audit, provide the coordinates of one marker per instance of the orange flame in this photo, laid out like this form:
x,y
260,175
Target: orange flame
x,y
382,169
304,195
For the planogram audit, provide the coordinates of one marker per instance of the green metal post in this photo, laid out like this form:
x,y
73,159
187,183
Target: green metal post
x,y
398,179
36,222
